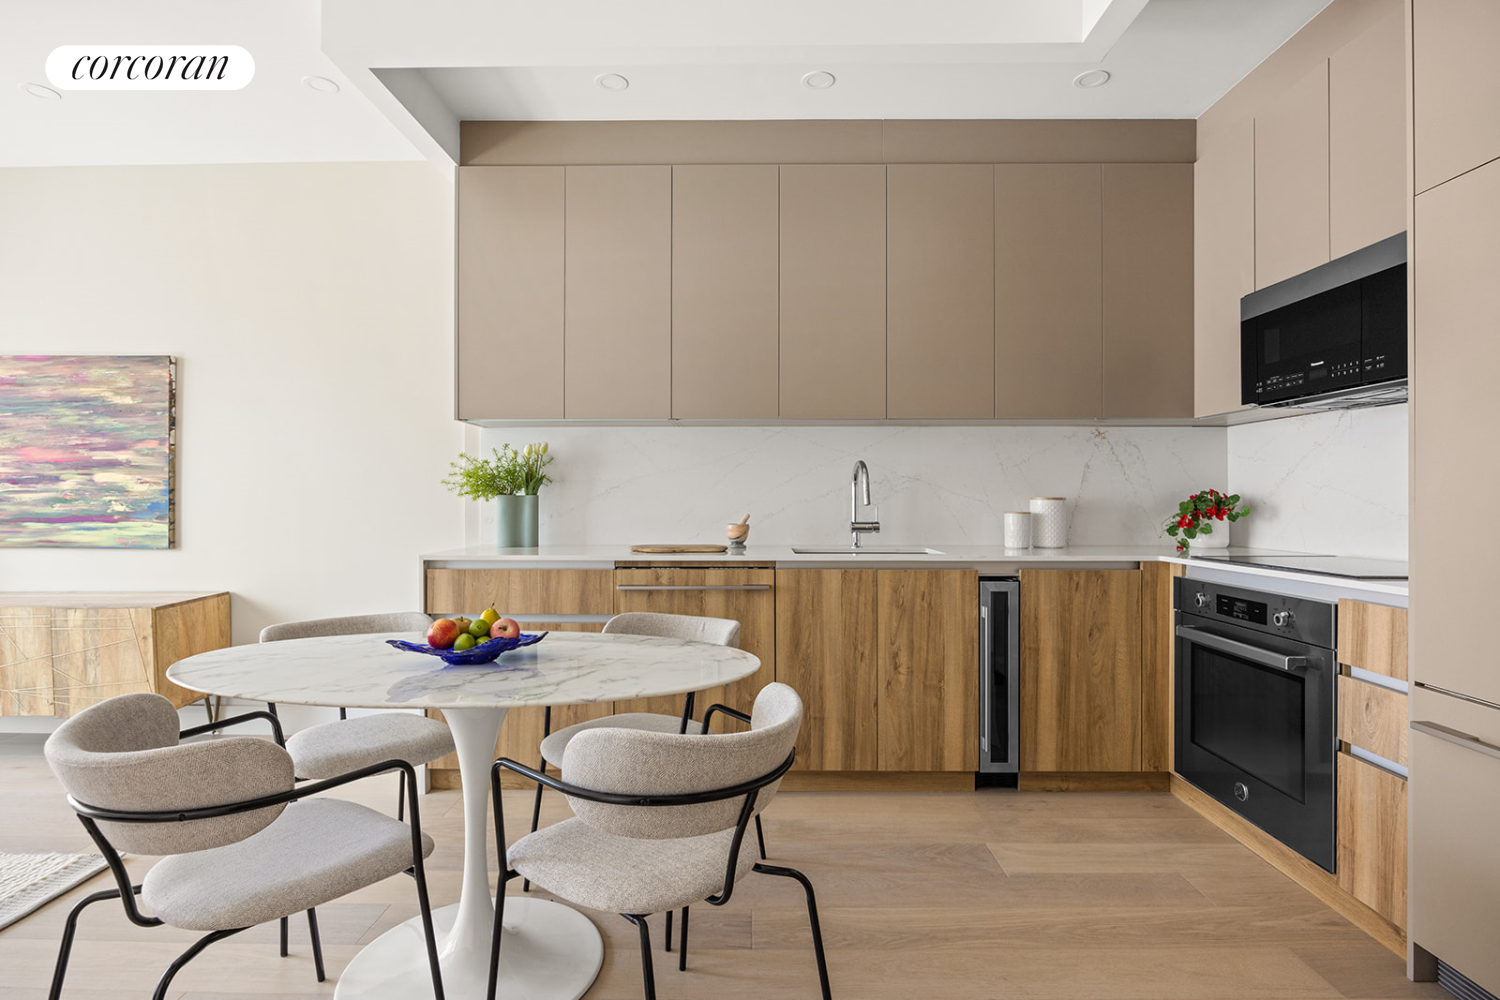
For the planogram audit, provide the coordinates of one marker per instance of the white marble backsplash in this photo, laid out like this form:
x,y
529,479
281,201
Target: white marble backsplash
x,y
932,484
1328,482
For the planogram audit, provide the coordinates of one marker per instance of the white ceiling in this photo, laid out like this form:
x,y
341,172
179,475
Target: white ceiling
x,y
410,70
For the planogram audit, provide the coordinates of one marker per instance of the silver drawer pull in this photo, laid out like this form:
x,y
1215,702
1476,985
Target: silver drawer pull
x,y
1244,650
1457,738
729,586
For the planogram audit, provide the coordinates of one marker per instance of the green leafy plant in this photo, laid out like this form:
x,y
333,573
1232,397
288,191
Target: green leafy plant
x,y
509,473
1196,515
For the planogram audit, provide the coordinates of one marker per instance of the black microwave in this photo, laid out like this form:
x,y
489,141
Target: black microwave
x,y
1331,337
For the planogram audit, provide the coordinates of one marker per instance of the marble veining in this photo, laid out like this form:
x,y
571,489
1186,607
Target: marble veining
x,y
362,671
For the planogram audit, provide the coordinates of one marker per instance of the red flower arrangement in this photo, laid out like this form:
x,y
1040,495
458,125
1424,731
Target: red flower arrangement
x,y
1195,515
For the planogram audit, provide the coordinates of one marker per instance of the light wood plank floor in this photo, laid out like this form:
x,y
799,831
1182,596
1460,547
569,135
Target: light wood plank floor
x,y
973,896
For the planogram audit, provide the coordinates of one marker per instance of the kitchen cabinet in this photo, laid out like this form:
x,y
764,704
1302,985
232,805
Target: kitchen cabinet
x,y
510,291
1158,648
618,292
940,295
1049,349
725,291
1367,137
927,651
833,270
1223,258
1148,289
745,595
1080,677
1456,97
1373,637
1371,826
826,641
1291,180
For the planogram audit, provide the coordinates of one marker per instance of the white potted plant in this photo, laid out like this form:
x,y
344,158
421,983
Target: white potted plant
x,y
513,479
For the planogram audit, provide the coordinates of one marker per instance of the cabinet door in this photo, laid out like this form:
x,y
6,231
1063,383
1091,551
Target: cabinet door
x,y
510,291
928,655
826,635
724,291
1148,290
1371,828
619,292
1373,637
1048,257
1455,91
745,595
1367,137
26,678
1291,181
1080,670
940,299
1223,259
833,291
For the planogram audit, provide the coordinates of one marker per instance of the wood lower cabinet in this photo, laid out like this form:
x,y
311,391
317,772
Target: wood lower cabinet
x,y
1081,676
1371,825
927,648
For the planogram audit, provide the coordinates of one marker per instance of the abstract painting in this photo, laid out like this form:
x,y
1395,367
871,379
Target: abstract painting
x,y
87,451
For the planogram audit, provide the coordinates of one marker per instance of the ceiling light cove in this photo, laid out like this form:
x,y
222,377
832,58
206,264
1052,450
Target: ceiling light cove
x,y
321,84
1093,78
45,93
818,80
612,81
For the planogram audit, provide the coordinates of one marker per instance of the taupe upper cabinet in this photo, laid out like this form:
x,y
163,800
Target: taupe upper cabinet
x,y
1291,181
510,291
1048,258
618,347
940,301
833,291
1456,103
724,291
1148,289
1223,259
1367,137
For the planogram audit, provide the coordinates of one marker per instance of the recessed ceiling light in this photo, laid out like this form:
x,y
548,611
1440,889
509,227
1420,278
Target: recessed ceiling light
x,y
1093,78
611,81
45,93
321,84
819,80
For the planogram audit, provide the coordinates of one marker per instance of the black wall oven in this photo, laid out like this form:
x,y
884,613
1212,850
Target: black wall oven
x,y
1255,708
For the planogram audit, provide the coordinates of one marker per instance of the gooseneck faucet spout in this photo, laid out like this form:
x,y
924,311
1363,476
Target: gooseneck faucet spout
x,y
859,495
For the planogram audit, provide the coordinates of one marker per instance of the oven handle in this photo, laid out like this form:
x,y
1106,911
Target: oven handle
x,y
1254,654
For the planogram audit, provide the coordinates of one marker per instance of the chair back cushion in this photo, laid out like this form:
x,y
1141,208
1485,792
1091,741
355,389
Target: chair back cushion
x,y
396,621
719,631
638,762
123,754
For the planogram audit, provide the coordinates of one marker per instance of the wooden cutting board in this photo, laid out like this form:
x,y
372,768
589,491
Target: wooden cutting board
x,y
679,548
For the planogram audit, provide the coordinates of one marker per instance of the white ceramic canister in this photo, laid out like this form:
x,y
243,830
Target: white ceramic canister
x,y
1049,522
1017,529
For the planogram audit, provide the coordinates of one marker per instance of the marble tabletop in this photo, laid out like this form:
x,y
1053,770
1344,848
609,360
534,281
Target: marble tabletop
x,y
363,671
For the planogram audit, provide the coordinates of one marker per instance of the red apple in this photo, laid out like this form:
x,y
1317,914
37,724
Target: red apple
x,y
443,633
506,628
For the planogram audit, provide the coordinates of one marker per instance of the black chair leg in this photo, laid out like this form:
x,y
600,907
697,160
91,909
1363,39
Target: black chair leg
x,y
812,918
317,943
401,802
495,937
760,835
682,946
668,946
648,969
186,957
69,930
536,807
283,937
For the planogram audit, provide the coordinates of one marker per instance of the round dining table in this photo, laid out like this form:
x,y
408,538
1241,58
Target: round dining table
x,y
550,951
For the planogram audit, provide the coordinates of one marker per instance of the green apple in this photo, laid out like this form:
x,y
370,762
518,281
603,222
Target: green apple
x,y
463,642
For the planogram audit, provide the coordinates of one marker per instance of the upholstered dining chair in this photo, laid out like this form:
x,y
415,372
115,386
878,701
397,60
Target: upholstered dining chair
x,y
660,820
241,844
338,747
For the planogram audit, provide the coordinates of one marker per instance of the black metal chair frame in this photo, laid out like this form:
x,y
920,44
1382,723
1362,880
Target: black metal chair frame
x,y
400,790
749,789
89,816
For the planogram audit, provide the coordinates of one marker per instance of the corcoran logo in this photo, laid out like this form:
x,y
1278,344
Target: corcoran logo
x,y
150,67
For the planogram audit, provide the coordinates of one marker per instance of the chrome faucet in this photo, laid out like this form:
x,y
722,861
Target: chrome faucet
x,y
860,490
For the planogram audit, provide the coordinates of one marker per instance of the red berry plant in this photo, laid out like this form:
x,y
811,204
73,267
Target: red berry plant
x,y
1196,515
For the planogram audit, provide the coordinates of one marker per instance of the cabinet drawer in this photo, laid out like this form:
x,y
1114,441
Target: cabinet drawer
x,y
1373,718
1372,837
1373,637
521,591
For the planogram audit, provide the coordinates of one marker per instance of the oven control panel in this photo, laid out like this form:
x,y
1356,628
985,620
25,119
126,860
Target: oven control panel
x,y
1299,618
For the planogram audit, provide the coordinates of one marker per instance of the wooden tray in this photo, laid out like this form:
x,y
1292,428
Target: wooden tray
x,y
679,548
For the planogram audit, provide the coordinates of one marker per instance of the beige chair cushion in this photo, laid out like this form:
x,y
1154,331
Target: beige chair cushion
x,y
396,621
317,850
554,745
693,628
336,748
623,874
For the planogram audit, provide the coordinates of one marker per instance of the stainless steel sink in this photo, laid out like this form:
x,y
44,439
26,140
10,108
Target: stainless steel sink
x,y
872,550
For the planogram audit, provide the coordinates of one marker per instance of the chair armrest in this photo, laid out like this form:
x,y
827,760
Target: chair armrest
x,y
236,720
622,799
724,709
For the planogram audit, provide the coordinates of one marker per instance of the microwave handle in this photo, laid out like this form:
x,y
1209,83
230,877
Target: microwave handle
x,y
1243,650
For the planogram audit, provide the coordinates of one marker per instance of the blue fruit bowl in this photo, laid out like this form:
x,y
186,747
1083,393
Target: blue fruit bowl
x,y
485,652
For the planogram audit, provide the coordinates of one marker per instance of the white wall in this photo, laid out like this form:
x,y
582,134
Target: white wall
x,y
933,484
310,309
1327,482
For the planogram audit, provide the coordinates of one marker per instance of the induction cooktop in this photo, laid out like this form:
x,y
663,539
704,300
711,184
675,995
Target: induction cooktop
x,y
1352,567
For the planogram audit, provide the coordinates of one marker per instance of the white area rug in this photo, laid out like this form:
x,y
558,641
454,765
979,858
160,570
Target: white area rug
x,y
27,881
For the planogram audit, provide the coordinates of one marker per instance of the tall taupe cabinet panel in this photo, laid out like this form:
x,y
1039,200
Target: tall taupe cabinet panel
x,y
1048,308
940,298
1291,181
510,291
1367,137
619,292
1148,289
1457,91
724,291
833,291
1223,258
